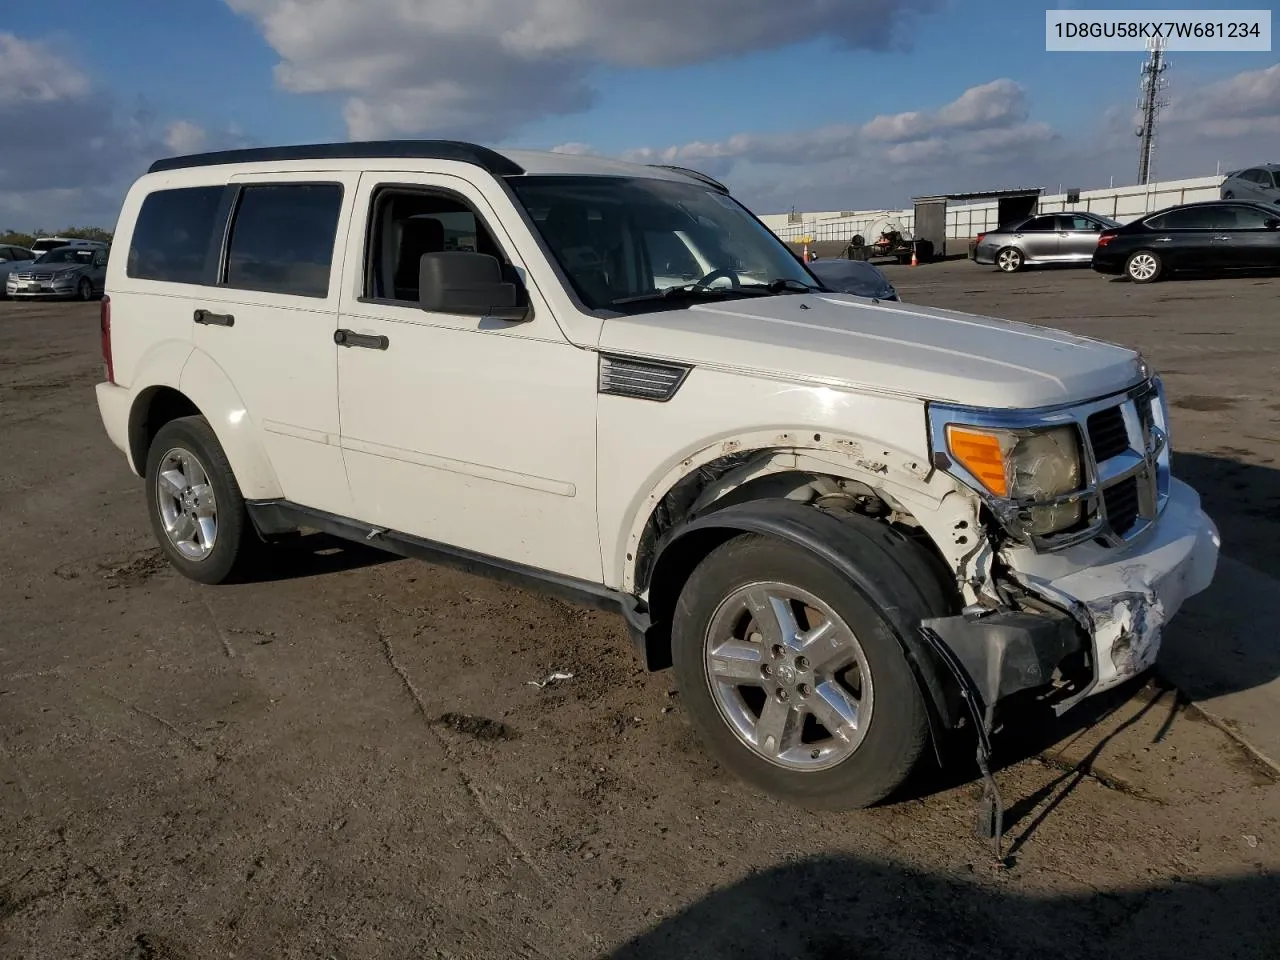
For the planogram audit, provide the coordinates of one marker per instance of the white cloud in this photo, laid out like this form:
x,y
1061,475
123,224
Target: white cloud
x,y
574,149
485,68
183,136
1000,103
1254,93
33,73
70,148
982,120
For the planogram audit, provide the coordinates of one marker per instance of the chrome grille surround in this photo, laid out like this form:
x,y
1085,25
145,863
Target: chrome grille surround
x,y
1145,458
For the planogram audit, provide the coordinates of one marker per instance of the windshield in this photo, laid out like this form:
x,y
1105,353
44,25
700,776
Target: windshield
x,y
631,238
67,255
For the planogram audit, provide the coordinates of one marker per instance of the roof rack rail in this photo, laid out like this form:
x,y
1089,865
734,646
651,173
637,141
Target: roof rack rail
x,y
696,174
489,160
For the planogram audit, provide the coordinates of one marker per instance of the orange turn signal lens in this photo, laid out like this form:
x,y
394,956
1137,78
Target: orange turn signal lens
x,y
981,454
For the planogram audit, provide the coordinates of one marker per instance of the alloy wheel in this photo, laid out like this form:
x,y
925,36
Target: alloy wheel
x,y
788,676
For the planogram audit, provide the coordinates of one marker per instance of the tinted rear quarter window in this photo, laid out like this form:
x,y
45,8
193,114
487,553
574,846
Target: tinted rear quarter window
x,y
1041,223
174,234
1194,219
282,238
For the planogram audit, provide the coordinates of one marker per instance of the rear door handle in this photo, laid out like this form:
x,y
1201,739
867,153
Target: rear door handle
x,y
1221,238
349,338
210,318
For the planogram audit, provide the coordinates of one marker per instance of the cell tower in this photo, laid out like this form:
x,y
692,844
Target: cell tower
x,y
1150,101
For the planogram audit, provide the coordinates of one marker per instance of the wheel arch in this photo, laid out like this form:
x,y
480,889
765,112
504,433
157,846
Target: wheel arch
x,y
835,539
803,465
203,389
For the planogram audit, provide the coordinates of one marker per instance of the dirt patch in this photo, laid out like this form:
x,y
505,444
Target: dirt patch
x,y
135,571
1204,404
477,728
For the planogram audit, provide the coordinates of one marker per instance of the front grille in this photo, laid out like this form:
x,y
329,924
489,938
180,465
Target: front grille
x,y
1107,433
1122,505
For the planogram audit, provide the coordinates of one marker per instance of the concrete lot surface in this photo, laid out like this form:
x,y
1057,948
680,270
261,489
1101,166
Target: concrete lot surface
x,y
348,761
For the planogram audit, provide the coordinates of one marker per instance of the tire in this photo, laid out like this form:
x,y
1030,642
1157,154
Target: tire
x,y
1143,266
1009,260
813,772
189,448
84,290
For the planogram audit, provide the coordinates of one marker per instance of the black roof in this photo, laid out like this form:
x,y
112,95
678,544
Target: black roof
x,y
483,157
695,174
983,194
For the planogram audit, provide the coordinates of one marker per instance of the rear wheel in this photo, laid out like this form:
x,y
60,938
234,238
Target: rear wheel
x,y
793,679
196,510
1009,260
1143,266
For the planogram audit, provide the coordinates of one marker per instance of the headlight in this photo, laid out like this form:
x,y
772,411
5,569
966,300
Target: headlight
x,y
1038,469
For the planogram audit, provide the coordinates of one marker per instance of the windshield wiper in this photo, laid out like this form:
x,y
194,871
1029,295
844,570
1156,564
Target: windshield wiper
x,y
681,290
787,283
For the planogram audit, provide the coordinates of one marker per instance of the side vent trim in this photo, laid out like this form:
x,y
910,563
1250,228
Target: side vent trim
x,y
640,379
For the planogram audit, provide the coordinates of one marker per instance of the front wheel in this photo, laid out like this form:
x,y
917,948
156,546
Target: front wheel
x,y
196,510
1144,266
84,289
793,680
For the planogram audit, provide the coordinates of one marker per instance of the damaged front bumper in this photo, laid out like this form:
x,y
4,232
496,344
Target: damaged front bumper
x,y
1109,603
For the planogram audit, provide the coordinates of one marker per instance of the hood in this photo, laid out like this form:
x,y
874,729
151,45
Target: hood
x,y
888,347
55,267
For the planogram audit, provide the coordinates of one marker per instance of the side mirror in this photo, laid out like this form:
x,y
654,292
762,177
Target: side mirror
x,y
469,284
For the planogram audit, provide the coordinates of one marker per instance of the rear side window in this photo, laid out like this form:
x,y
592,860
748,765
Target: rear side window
x,y
282,238
1041,223
173,235
1194,218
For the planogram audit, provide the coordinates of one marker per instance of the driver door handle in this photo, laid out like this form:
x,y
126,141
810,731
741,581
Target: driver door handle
x,y
209,318
349,338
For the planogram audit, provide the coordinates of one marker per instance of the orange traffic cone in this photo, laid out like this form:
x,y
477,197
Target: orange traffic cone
x,y
915,261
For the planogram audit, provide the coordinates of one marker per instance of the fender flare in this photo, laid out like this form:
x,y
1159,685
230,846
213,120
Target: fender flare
x,y
832,538
210,389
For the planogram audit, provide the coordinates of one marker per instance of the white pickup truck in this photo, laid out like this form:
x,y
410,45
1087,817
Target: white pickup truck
x,y
847,524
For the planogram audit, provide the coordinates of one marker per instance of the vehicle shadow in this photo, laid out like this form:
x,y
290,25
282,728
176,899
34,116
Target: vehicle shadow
x,y
304,555
1244,501
830,907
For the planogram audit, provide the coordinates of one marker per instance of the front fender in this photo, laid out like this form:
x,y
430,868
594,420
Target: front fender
x,y
209,388
948,513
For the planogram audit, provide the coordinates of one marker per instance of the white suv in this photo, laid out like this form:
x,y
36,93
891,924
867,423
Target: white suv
x,y
847,524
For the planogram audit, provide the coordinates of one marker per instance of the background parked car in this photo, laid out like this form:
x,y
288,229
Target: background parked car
x,y
857,277
79,272
1260,183
45,244
1046,238
1212,236
12,258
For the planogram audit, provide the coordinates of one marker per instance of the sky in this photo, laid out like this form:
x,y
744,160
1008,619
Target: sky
x,y
805,104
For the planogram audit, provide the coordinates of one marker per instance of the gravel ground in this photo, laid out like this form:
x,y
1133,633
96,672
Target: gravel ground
x,y
348,761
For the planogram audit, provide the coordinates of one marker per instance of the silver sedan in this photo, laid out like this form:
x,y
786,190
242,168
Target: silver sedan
x,y
1046,238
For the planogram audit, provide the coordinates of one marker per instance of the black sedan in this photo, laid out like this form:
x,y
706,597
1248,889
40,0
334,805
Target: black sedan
x,y
858,277
1210,237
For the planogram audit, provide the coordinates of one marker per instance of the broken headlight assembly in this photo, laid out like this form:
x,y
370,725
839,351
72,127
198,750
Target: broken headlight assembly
x,y
1033,477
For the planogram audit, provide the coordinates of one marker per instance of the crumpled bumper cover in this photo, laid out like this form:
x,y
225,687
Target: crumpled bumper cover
x,y
1116,601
